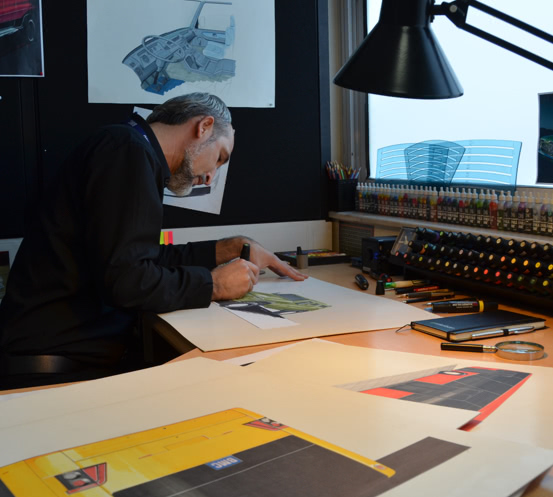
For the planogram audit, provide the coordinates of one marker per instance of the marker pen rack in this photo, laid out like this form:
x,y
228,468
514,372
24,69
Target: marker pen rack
x,y
483,266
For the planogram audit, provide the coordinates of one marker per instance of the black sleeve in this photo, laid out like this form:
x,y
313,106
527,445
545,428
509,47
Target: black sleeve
x,y
191,254
123,213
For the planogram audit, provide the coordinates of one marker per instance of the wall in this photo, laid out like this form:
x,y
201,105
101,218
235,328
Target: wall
x,y
277,237
277,169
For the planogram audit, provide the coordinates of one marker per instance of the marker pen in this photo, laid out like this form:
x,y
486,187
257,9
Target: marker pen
x,y
430,293
469,305
411,289
432,297
402,284
245,252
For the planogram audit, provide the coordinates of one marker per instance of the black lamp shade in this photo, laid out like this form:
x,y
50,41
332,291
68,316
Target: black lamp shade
x,y
401,57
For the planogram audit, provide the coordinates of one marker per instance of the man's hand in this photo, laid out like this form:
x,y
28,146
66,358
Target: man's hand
x,y
229,248
234,280
263,258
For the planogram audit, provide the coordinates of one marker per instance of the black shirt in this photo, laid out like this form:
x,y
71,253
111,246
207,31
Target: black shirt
x,y
93,259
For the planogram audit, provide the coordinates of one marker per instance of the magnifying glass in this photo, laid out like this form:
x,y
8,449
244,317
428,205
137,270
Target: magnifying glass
x,y
514,350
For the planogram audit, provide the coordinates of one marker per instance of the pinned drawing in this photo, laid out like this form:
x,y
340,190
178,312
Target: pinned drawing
x,y
21,38
150,51
545,144
267,310
188,54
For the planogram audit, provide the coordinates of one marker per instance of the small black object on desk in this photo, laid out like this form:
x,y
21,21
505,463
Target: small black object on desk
x,y
380,290
361,281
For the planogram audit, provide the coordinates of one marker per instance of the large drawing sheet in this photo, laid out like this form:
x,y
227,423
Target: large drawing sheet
x,y
237,65
93,411
529,409
215,328
328,363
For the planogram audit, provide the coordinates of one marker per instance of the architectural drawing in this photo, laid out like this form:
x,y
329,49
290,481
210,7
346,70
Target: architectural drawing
x,y
188,54
472,388
477,161
273,304
232,453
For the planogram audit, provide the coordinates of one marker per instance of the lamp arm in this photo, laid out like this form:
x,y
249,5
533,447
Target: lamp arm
x,y
456,12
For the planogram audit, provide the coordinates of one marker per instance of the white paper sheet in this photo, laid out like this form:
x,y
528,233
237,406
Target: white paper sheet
x,y
350,311
524,417
93,411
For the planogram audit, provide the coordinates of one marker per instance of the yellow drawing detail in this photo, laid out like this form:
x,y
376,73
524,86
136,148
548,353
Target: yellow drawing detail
x,y
145,456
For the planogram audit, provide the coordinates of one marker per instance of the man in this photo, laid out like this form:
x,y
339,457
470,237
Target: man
x,y
92,261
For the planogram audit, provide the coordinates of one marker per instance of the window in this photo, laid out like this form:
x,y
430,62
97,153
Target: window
x,y
506,96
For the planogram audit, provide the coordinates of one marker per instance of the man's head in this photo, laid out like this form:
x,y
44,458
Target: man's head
x,y
208,141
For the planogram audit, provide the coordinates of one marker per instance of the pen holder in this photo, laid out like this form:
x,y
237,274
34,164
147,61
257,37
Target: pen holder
x,y
342,195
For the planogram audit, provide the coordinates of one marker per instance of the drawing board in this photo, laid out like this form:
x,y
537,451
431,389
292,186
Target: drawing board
x,y
347,311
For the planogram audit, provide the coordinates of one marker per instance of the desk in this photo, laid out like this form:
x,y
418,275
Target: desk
x,y
406,340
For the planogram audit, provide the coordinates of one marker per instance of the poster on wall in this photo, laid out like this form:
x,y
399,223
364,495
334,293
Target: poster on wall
x,y
21,47
147,51
545,144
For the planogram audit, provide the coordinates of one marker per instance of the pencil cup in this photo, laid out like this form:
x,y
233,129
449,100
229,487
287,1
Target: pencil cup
x,y
342,194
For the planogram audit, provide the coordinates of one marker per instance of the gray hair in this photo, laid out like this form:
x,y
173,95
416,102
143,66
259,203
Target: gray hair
x,y
181,109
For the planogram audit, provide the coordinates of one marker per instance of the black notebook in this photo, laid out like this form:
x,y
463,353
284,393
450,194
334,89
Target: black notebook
x,y
479,325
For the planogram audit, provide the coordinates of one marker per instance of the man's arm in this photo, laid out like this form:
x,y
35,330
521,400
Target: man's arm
x,y
130,268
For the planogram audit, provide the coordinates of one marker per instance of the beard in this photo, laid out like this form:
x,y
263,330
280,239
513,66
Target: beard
x,y
182,180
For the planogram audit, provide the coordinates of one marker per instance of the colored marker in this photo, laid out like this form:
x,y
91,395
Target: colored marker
x,y
401,284
469,305
435,297
401,291
427,295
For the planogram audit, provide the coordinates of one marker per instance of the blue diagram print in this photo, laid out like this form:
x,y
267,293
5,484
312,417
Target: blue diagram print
x,y
189,54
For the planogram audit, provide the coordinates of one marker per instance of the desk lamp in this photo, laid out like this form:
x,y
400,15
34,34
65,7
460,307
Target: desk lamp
x,y
401,57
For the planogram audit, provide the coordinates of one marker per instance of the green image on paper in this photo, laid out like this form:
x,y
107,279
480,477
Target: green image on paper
x,y
273,304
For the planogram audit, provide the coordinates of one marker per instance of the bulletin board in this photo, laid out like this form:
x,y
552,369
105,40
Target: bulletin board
x,y
276,172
